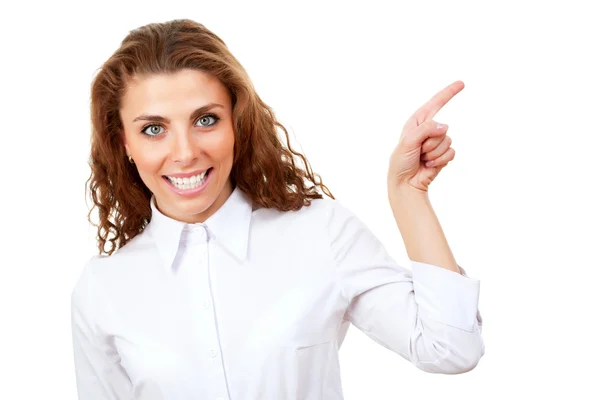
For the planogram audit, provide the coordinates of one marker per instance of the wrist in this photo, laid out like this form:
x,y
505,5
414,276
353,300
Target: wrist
x,y
407,193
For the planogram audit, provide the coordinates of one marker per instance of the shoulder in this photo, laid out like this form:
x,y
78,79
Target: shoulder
x,y
322,219
88,297
318,208
314,214
330,212
83,292
340,222
101,270
93,270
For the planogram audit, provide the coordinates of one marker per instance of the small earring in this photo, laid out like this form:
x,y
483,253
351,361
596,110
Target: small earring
x,y
131,160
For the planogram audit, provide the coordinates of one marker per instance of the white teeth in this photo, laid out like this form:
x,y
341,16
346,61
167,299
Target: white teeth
x,y
188,183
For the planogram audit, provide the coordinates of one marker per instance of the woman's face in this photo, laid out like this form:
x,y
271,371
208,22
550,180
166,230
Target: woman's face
x,y
177,127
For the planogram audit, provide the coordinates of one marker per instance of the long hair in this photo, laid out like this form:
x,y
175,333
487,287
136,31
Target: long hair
x,y
263,167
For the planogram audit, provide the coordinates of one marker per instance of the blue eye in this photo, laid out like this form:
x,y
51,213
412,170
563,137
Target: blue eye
x,y
154,130
207,117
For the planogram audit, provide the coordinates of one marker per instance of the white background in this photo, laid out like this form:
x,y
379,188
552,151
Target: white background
x,y
519,203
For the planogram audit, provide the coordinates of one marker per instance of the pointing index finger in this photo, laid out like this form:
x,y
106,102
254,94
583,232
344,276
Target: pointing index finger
x,y
429,109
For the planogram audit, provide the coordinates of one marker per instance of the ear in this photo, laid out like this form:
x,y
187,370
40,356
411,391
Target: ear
x,y
124,142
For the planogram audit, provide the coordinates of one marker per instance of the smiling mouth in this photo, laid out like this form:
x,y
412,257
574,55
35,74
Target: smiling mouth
x,y
188,183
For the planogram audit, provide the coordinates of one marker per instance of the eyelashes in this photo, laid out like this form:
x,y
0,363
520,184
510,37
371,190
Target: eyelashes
x,y
151,134
157,127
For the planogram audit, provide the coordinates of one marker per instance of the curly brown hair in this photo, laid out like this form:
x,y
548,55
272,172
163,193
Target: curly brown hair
x,y
263,167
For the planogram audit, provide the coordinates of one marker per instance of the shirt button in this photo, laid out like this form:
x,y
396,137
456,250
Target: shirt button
x,y
205,304
213,353
199,229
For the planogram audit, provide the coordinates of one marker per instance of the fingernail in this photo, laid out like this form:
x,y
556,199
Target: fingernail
x,y
441,126
429,163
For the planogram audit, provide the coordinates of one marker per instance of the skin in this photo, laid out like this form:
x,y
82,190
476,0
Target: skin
x,y
424,146
185,143
422,140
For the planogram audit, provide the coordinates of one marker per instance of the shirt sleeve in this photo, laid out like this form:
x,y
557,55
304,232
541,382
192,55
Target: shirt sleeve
x,y
98,373
427,314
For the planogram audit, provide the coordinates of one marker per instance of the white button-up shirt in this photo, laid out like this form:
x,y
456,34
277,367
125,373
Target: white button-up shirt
x,y
254,304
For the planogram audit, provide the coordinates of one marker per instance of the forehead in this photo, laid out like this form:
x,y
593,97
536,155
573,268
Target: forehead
x,y
161,92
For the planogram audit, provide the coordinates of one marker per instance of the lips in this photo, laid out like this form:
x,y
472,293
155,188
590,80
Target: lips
x,y
188,184
187,174
187,178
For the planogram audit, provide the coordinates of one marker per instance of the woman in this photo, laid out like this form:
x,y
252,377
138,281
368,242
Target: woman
x,y
221,273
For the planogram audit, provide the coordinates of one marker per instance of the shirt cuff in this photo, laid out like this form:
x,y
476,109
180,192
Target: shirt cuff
x,y
445,296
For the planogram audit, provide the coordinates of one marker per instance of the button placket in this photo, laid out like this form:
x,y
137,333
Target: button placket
x,y
214,347
213,353
205,302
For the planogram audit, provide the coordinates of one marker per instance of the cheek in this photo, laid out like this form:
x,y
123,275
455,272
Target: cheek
x,y
149,165
222,147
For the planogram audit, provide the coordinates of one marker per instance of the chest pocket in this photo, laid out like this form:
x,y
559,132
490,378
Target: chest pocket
x,y
313,367
155,370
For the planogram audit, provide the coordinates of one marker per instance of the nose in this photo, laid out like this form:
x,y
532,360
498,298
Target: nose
x,y
183,150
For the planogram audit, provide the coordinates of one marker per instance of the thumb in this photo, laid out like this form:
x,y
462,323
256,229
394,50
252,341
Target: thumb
x,y
424,131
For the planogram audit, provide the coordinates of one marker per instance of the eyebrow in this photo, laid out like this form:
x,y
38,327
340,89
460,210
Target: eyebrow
x,y
195,114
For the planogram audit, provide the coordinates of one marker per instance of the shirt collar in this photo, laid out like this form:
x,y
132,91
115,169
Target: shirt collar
x,y
229,225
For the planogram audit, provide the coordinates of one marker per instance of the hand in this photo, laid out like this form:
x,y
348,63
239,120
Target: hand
x,y
421,141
